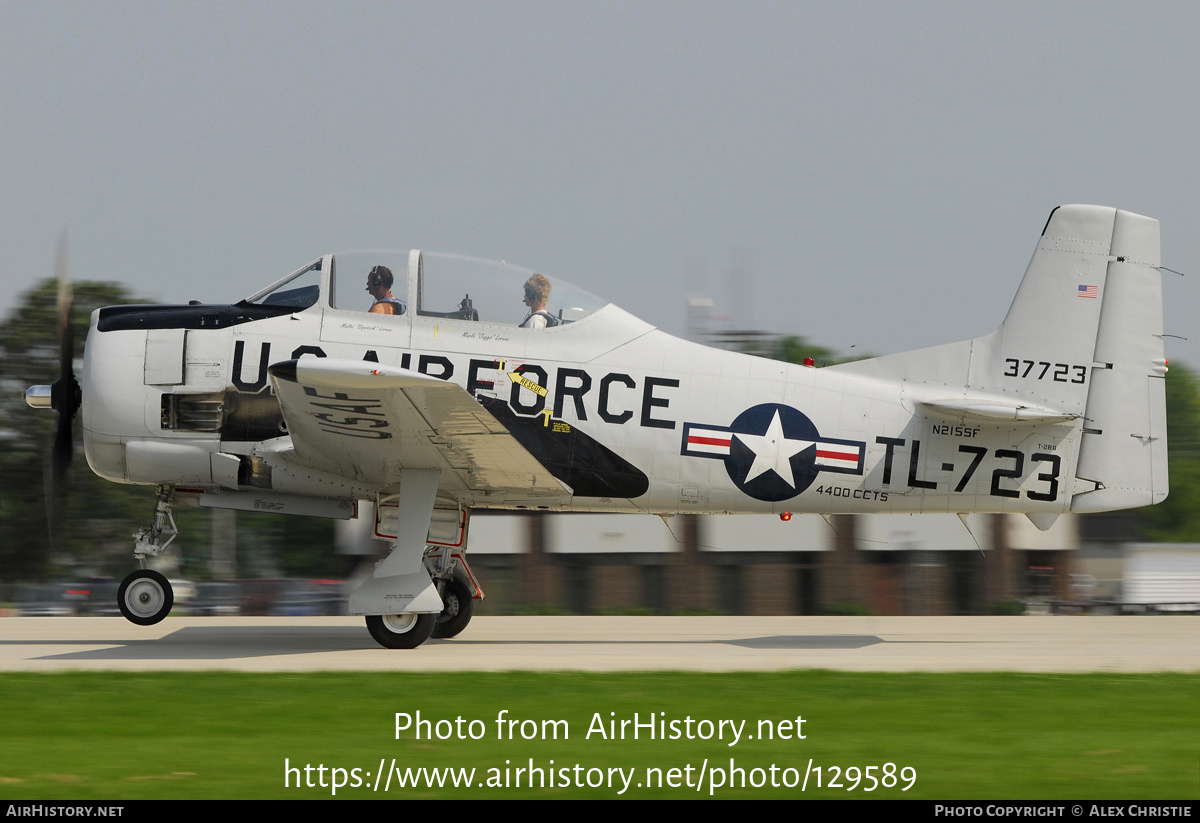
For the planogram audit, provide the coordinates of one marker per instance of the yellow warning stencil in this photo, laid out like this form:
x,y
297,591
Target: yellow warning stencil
x,y
521,379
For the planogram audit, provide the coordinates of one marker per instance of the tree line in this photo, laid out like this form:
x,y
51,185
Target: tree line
x,y
94,519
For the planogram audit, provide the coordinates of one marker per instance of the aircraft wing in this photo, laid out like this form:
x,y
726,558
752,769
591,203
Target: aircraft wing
x,y
366,422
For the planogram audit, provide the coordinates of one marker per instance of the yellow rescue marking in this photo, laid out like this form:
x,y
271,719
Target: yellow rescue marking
x,y
545,413
562,427
522,380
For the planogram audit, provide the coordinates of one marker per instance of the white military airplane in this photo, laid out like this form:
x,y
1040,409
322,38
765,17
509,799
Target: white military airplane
x,y
298,400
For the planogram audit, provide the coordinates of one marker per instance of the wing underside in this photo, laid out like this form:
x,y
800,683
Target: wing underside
x,y
367,422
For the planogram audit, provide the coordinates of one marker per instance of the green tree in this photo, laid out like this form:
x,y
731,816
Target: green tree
x,y
92,516
1177,519
794,348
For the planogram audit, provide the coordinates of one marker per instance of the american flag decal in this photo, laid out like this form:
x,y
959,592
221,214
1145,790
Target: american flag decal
x,y
1087,291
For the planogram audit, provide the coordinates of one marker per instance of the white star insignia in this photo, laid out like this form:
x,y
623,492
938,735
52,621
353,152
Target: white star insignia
x,y
773,451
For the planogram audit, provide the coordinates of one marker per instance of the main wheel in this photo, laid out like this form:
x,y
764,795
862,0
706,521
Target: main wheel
x,y
145,597
459,606
400,631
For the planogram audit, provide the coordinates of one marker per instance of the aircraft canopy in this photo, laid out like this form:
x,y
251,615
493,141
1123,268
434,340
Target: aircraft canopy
x,y
431,283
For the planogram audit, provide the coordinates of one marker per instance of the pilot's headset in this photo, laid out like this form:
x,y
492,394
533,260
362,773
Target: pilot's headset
x,y
377,276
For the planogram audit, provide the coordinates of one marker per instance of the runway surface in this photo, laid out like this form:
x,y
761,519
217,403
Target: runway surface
x,y
1027,644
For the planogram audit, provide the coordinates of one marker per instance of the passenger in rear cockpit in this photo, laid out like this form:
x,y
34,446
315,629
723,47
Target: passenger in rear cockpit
x,y
537,293
379,284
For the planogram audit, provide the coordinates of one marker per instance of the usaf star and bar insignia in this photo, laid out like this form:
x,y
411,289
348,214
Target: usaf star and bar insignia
x,y
773,452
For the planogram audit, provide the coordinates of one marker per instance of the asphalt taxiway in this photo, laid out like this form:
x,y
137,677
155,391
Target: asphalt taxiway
x,y
1026,644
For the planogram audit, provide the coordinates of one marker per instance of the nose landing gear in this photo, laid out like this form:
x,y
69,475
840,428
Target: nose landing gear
x,y
145,597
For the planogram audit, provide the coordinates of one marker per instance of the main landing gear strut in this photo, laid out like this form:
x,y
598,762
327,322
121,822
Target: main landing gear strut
x,y
408,630
419,590
145,596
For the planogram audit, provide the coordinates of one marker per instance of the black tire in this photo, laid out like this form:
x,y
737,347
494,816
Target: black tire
x,y
459,608
400,631
145,597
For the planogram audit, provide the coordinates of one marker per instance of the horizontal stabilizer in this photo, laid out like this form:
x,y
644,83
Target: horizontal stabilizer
x,y
991,410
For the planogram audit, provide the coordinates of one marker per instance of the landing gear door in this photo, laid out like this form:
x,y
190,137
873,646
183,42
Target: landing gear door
x,y
447,527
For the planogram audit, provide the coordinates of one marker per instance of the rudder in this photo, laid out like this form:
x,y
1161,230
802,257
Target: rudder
x,y
1123,453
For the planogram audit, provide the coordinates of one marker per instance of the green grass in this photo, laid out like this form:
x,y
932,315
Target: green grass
x,y
967,736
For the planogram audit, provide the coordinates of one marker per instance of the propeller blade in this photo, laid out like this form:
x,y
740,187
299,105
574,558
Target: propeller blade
x,y
65,294
65,393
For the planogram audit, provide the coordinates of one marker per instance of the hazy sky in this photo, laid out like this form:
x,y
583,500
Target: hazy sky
x,y
885,167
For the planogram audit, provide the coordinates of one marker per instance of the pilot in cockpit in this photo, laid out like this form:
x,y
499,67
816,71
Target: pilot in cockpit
x,y
379,284
537,293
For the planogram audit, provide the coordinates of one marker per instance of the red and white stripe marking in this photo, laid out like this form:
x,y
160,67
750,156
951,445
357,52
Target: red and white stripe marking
x,y
716,442
708,441
837,456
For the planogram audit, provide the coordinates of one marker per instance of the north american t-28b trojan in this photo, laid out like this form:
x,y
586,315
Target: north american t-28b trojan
x,y
451,398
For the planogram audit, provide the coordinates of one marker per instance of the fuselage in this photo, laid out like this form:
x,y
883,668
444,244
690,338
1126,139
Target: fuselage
x,y
626,416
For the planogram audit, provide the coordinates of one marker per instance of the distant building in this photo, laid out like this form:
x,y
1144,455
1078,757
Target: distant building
x,y
743,564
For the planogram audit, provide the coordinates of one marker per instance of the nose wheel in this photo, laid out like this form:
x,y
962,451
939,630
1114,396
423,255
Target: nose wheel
x,y
145,597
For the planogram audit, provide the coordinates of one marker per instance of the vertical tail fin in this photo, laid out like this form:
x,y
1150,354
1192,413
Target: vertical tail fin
x,y
1043,350
1082,340
1090,304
